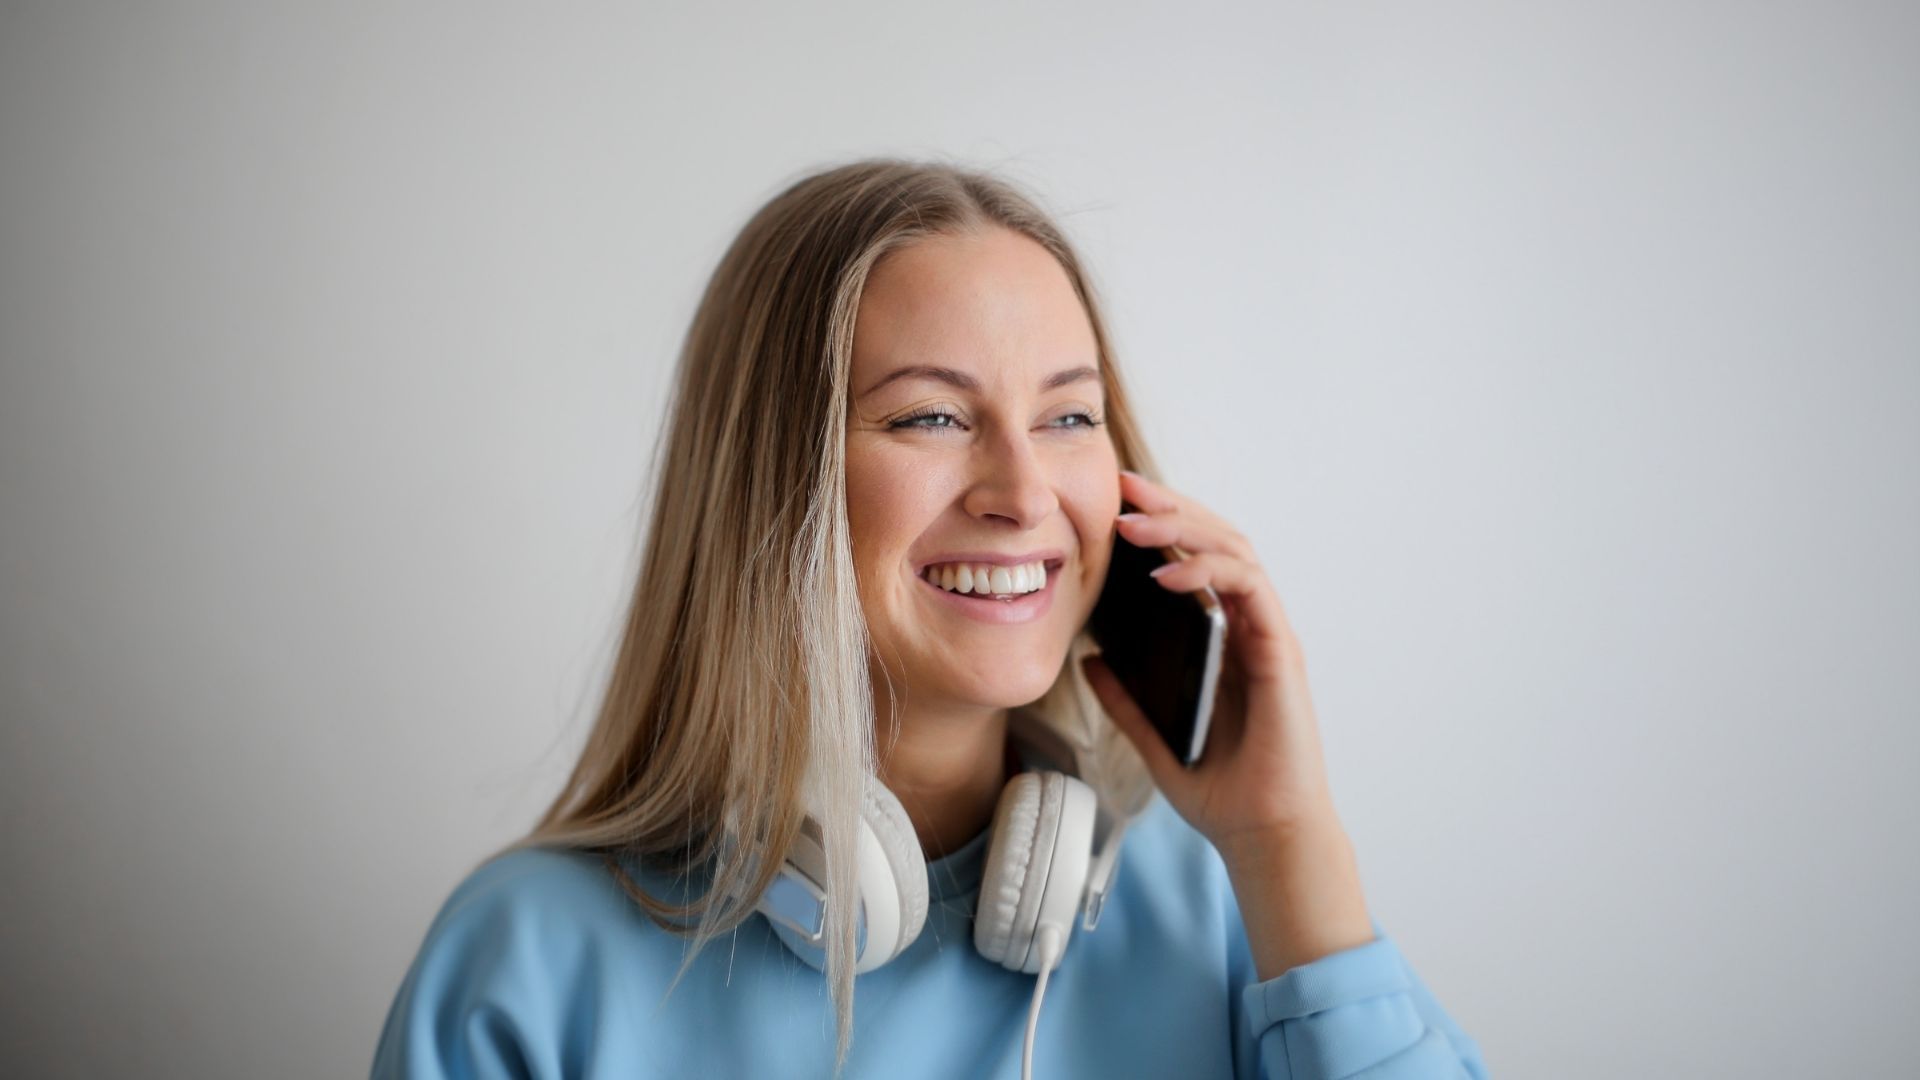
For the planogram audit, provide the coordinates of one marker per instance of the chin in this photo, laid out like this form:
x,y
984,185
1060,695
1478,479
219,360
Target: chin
x,y
1014,689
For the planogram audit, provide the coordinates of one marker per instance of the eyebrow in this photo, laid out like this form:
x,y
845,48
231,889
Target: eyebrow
x,y
965,381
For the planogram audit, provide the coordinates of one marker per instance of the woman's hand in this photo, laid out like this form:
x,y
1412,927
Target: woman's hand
x,y
1260,791
1261,774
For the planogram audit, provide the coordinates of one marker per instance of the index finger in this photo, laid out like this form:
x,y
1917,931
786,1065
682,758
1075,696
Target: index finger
x,y
1146,494
1156,498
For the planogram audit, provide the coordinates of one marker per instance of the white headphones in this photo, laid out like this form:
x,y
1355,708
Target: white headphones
x,y
1052,851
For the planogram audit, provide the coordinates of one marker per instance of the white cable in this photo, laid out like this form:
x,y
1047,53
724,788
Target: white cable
x,y
1050,946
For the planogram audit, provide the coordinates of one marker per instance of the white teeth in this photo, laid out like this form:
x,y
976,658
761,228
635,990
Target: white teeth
x,y
982,579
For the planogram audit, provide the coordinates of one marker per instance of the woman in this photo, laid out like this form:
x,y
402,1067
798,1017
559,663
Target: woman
x,y
897,388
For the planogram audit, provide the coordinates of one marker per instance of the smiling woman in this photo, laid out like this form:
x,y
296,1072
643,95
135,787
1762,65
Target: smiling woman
x,y
994,459
848,706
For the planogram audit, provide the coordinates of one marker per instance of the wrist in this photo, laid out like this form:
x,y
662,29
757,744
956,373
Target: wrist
x,y
1300,895
1283,843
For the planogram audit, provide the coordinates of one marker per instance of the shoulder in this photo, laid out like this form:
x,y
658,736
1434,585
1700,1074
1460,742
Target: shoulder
x,y
549,906
520,947
527,882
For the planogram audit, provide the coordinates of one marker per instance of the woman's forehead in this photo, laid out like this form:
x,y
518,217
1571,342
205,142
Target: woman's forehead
x,y
994,308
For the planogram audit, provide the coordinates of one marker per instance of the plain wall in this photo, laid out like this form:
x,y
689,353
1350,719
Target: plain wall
x,y
1562,362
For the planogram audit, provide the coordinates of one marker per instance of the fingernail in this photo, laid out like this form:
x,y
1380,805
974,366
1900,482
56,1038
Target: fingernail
x,y
1158,570
1133,517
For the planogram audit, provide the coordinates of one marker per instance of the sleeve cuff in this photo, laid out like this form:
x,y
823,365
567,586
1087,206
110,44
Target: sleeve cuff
x,y
1355,974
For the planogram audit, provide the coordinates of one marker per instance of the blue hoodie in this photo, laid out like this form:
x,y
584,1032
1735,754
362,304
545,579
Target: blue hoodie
x,y
539,965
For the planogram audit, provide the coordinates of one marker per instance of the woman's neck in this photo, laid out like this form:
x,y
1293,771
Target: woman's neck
x,y
947,768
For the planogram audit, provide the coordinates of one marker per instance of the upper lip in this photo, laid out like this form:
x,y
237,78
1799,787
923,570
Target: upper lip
x,y
1053,557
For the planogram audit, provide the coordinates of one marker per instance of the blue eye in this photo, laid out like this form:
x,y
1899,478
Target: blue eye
x,y
953,421
923,414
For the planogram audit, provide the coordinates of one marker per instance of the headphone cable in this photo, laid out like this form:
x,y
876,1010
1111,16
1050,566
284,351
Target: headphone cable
x,y
1050,947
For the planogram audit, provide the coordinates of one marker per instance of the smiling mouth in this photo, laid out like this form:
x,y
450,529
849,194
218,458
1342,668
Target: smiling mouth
x,y
970,591
998,609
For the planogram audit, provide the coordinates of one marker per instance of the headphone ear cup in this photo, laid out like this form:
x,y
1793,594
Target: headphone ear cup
x,y
1037,867
890,882
906,865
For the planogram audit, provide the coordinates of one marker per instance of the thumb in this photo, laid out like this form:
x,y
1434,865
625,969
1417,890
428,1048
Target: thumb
x,y
1133,723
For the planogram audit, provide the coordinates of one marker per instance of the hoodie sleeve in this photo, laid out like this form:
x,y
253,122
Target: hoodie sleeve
x,y
1360,1012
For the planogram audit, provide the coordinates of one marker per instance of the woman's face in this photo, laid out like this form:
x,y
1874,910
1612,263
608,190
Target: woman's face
x,y
998,462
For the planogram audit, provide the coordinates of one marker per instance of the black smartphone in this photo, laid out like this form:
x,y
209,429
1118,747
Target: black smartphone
x,y
1164,646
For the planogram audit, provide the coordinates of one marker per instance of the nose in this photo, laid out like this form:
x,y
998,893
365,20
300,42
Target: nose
x,y
1013,482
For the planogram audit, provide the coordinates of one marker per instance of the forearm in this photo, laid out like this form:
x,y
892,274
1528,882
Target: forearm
x,y
1300,896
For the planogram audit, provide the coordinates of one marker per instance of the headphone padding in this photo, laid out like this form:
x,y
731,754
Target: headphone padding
x,y
901,845
1003,885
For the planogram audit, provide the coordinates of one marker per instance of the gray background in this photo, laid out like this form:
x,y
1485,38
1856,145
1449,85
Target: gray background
x,y
1561,362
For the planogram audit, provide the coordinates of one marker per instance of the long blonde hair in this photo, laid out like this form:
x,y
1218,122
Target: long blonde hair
x,y
740,692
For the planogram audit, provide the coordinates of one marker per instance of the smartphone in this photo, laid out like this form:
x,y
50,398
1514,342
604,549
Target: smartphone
x,y
1164,646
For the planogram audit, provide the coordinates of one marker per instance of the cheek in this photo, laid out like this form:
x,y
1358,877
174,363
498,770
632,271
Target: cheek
x,y
1095,502
1092,490
890,501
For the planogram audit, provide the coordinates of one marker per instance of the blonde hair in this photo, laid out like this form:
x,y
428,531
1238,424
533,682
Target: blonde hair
x,y
740,692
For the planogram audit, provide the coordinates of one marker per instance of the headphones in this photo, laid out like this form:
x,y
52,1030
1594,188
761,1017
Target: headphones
x,y
1053,849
